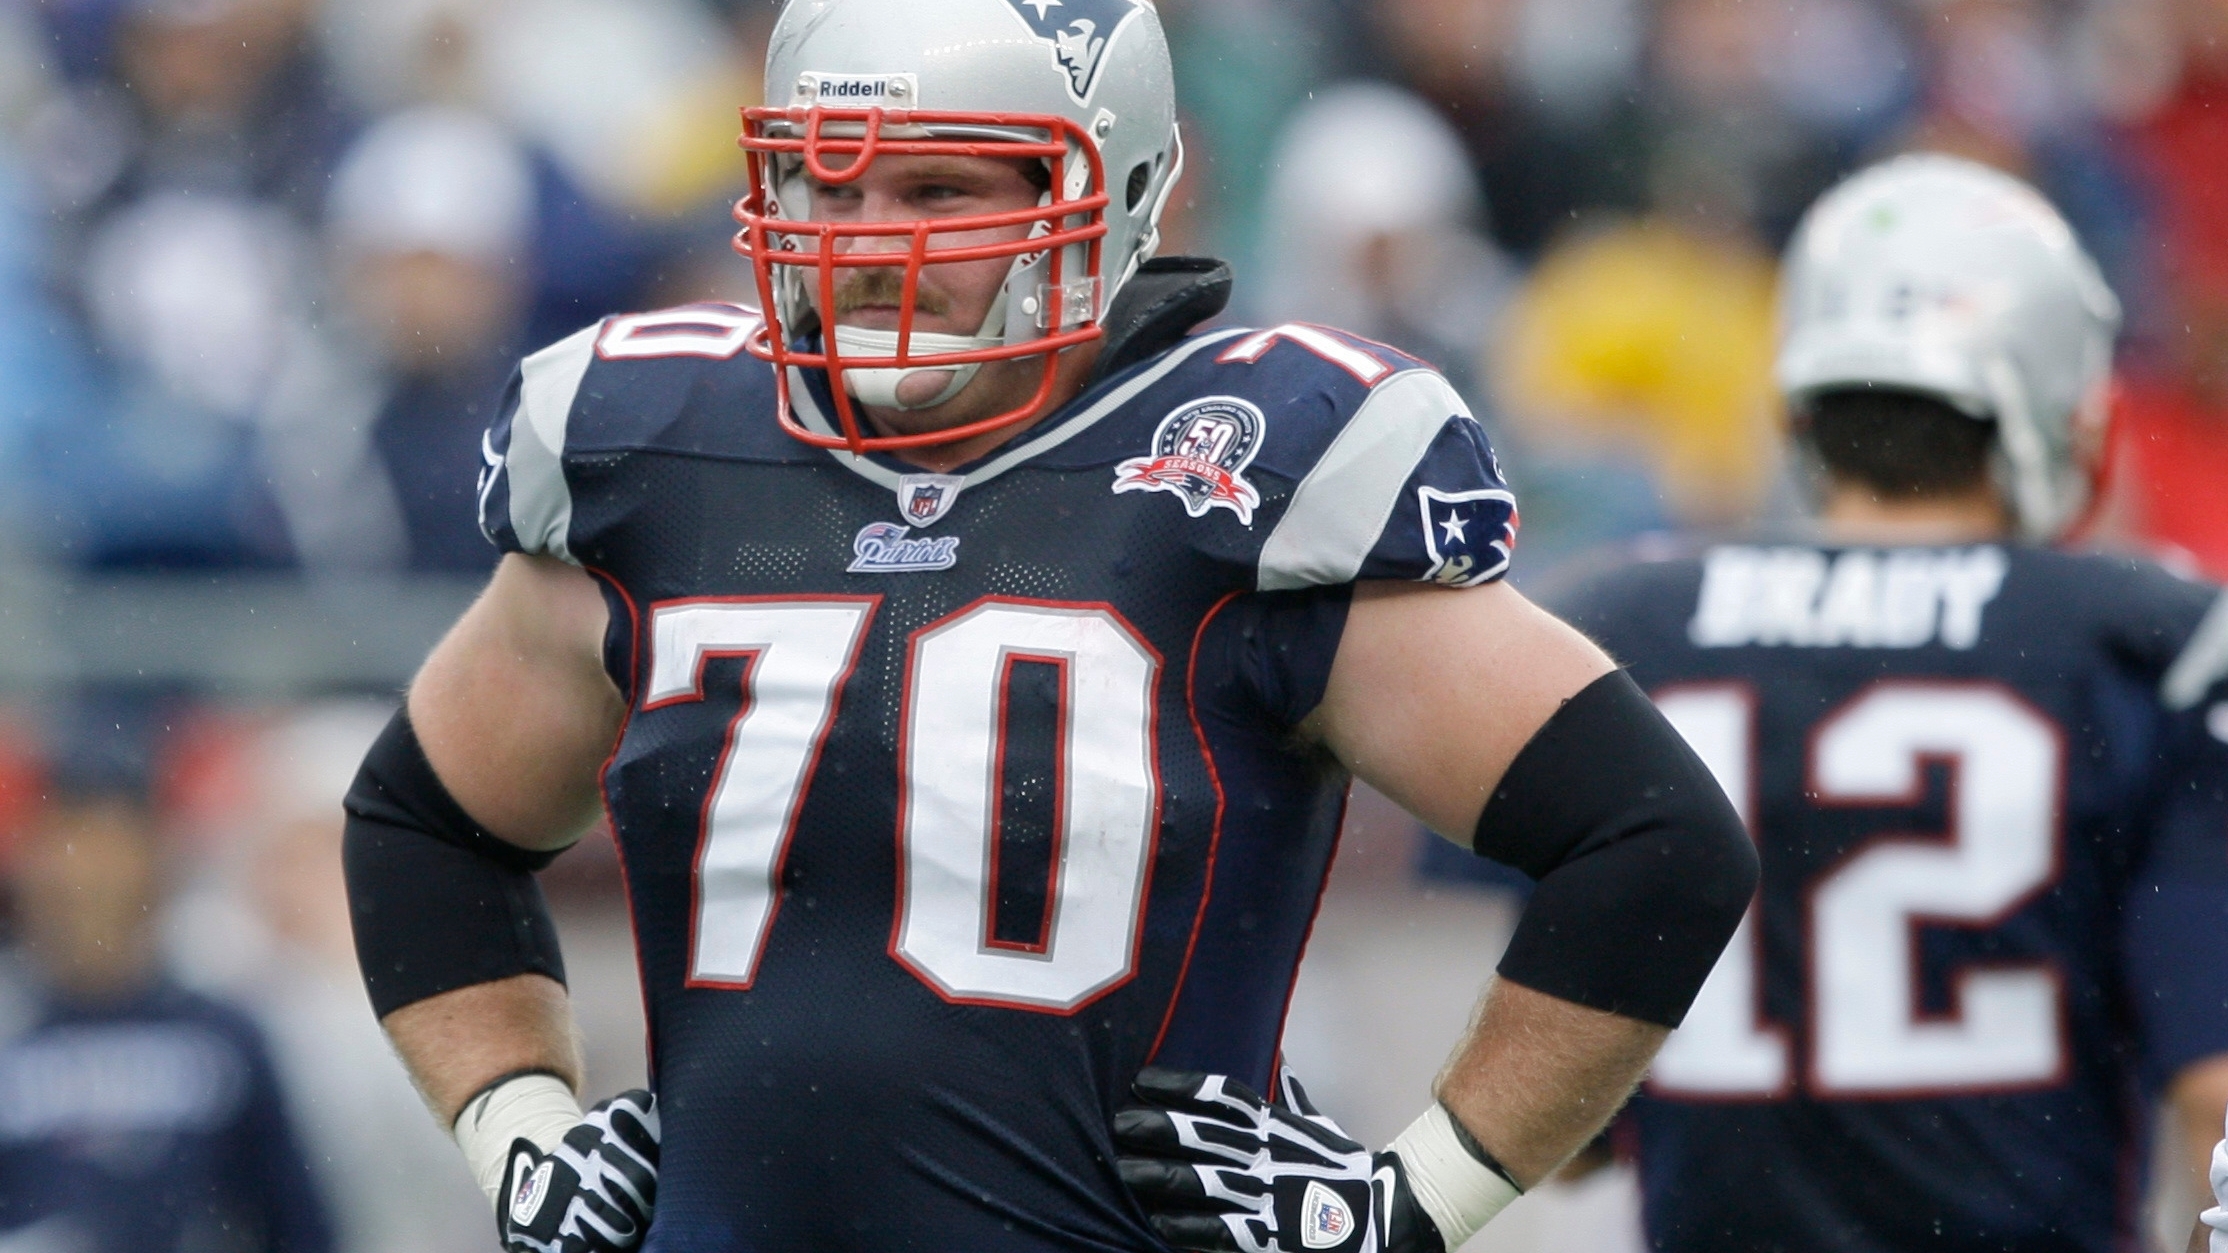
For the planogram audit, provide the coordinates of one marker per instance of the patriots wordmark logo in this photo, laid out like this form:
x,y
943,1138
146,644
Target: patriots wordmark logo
x,y
1469,535
1200,453
881,548
924,499
1078,32
1325,1217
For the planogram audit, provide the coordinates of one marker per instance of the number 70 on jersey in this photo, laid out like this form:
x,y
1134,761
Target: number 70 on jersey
x,y
797,655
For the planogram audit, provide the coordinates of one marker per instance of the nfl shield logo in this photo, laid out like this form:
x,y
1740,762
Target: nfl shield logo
x,y
927,502
1326,1220
924,499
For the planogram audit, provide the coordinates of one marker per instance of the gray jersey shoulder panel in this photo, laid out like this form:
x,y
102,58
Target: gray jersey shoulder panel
x,y
541,500
1339,510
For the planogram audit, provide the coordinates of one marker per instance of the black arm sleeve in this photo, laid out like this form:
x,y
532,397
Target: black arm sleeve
x,y
437,902
1644,869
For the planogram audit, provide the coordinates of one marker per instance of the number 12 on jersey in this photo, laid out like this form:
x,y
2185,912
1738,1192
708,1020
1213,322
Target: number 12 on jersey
x,y
1867,1037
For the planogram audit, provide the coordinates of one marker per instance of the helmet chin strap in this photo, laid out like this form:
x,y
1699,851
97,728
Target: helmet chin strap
x,y
879,388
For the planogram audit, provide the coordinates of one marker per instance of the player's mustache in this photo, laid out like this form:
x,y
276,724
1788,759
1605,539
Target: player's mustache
x,y
883,287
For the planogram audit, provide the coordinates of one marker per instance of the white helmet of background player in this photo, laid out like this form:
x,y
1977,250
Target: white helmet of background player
x,y
1084,85
1935,275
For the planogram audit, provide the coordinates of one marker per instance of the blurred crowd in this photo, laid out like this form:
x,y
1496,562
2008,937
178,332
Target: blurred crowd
x,y
268,262
265,266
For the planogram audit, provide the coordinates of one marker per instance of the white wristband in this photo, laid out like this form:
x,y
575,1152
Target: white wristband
x,y
1459,1192
2217,1217
540,1108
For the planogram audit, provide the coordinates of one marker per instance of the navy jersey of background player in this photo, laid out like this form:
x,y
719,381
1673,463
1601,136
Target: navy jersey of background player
x,y
1986,783
949,801
153,1124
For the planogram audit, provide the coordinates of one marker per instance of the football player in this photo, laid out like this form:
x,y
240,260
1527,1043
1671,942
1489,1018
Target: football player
x,y
1987,778
971,656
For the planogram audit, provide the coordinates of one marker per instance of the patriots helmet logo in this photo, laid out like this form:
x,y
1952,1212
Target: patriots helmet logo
x,y
1078,32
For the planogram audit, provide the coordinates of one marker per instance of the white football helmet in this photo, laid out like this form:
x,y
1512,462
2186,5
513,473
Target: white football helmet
x,y
1940,276
1083,85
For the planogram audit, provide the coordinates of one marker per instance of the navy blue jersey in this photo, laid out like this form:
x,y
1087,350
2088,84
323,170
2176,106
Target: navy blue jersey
x,y
1987,787
150,1125
947,802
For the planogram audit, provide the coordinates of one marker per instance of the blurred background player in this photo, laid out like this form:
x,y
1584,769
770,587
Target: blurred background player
x,y
1992,817
432,213
267,925
138,1115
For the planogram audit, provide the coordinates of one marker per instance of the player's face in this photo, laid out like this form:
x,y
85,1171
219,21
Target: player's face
x,y
85,882
954,298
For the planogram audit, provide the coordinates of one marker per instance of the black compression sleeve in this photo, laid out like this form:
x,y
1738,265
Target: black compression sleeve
x,y
1644,869
437,902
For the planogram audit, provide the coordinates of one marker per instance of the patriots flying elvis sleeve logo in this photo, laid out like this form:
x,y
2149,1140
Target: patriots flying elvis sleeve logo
x,y
1078,32
1469,536
491,474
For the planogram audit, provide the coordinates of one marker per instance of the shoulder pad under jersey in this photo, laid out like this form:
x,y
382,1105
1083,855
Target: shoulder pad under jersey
x,y
1343,459
670,380
1374,467
2169,628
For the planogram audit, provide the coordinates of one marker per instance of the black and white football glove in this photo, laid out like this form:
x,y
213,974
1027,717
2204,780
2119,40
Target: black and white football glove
x,y
1215,1167
593,1193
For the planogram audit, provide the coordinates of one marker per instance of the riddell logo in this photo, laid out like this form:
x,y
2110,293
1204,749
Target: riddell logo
x,y
862,91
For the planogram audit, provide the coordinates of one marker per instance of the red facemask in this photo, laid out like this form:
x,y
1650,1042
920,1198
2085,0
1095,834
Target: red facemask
x,y
772,241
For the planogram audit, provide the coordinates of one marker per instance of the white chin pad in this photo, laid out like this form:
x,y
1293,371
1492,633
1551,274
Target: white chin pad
x,y
878,388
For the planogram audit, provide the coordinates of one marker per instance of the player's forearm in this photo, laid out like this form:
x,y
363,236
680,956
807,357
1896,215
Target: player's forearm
x,y
456,1043
1539,1077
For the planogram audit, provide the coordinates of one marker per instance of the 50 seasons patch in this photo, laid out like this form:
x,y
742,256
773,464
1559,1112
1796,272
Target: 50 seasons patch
x,y
1200,454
